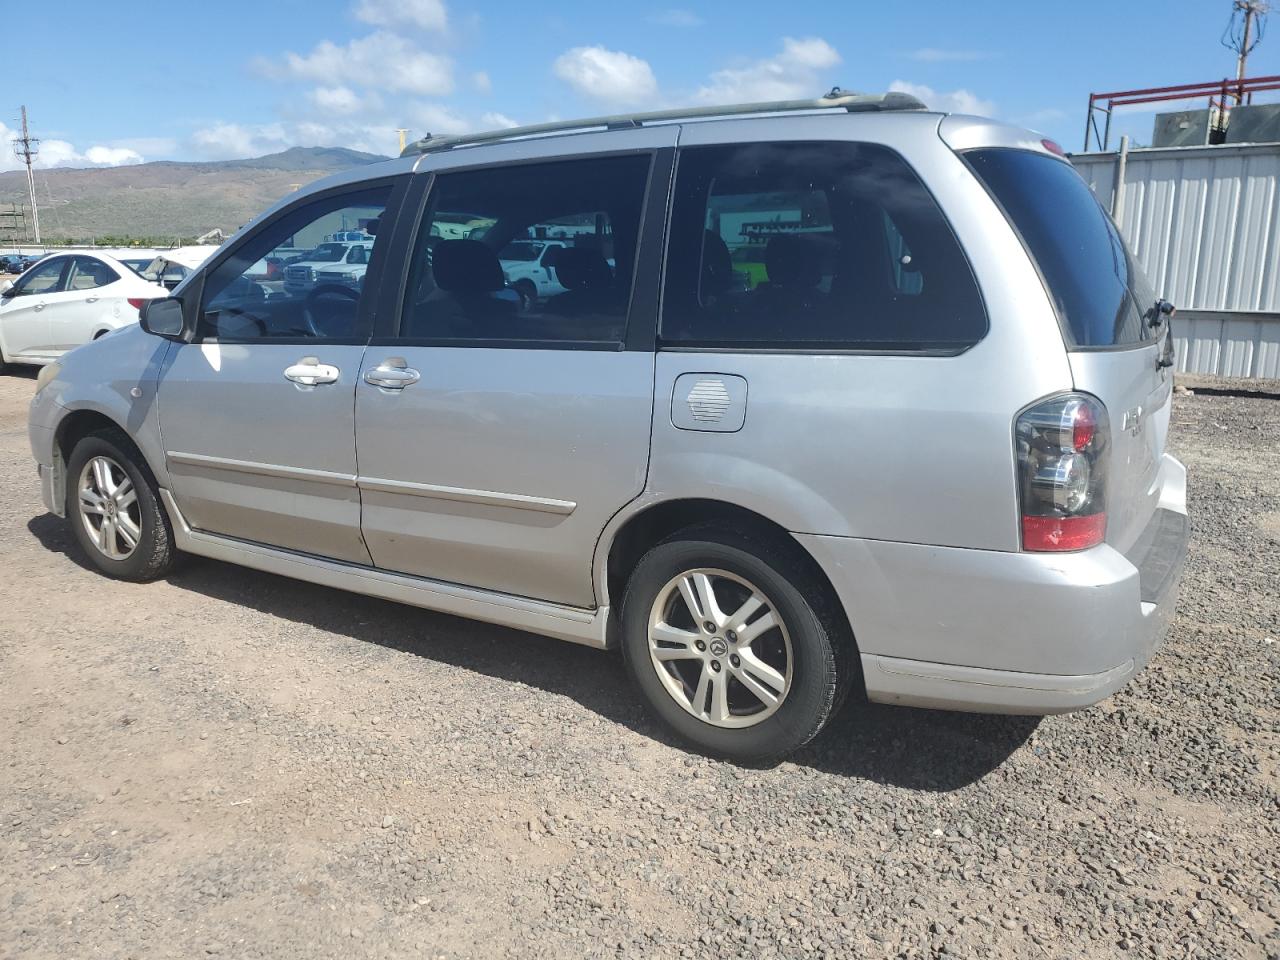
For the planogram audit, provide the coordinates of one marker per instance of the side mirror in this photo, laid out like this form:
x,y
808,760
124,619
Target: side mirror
x,y
164,318
5,288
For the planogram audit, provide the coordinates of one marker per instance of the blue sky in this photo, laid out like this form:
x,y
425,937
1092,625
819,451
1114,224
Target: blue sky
x,y
200,80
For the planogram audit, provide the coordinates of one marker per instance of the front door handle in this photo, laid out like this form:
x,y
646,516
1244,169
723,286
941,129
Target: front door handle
x,y
309,371
39,306
392,374
90,299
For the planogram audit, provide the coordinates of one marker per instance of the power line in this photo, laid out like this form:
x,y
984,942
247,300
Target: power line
x,y
27,148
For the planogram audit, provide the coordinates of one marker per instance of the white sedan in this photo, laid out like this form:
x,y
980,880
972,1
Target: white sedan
x,y
66,300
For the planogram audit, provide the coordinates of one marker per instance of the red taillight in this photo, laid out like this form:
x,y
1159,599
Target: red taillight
x,y
1063,533
273,269
136,302
1060,445
1053,147
1084,423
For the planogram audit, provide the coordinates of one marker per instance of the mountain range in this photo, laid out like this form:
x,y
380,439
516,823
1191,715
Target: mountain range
x,y
170,198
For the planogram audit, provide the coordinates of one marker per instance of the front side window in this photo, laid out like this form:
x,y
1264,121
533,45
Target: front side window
x,y
87,274
813,246
45,277
476,277
287,282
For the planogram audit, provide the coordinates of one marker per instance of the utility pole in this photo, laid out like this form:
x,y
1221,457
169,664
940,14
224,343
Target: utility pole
x,y
27,147
1244,32
404,132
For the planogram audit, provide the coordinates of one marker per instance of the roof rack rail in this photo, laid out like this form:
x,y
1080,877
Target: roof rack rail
x,y
836,99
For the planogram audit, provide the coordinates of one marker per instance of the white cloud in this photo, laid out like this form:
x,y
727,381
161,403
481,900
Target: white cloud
x,y
480,80
62,153
336,99
936,55
953,101
497,121
608,75
112,156
381,59
793,73
227,141
424,14
676,18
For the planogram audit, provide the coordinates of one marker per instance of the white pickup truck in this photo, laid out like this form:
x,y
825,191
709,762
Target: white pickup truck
x,y
529,266
340,262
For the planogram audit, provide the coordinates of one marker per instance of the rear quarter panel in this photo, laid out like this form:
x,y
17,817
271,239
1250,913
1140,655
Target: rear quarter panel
x,y
905,448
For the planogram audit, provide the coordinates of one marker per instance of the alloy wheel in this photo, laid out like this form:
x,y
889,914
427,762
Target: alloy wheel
x,y
109,508
729,669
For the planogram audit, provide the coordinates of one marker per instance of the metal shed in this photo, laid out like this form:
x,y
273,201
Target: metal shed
x,y
1203,221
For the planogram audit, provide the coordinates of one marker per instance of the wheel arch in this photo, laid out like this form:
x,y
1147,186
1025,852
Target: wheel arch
x,y
635,534
72,428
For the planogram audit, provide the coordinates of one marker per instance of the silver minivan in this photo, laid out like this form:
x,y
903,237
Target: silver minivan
x,y
830,396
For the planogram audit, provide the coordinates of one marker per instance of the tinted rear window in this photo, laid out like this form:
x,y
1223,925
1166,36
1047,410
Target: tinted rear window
x,y
813,246
1100,292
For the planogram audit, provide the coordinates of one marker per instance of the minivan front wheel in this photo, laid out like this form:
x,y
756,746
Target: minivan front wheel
x,y
729,648
114,510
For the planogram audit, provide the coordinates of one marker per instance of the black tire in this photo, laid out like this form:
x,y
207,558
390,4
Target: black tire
x,y
528,293
154,554
772,566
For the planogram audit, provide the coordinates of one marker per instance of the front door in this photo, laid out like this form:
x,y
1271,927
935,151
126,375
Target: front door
x,y
497,434
257,413
25,307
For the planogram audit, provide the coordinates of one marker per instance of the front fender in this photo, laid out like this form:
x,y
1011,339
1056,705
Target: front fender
x,y
115,377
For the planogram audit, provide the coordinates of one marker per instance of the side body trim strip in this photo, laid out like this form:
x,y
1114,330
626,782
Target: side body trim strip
x,y
575,624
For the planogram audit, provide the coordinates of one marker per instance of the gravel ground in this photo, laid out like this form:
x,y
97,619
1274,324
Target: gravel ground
x,y
233,764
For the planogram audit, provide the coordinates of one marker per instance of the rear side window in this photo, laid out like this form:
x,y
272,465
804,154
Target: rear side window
x,y
1101,294
813,246
473,281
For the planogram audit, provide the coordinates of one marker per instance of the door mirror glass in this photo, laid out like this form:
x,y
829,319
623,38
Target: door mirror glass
x,y
164,318
6,288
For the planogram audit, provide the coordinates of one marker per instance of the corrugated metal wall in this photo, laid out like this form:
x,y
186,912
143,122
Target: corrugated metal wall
x,y
1203,221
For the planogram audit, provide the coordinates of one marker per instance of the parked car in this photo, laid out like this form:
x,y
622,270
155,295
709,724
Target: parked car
x,y
136,259
19,262
170,267
338,262
914,448
66,300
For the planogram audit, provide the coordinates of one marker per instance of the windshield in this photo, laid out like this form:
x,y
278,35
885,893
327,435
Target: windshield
x,y
328,253
521,251
1100,292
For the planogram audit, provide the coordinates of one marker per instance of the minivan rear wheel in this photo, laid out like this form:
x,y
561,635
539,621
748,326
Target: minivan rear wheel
x,y
115,511
728,648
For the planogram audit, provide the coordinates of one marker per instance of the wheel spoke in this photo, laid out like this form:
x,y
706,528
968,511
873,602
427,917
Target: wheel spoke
x,y
738,619
129,531
124,494
699,701
755,668
108,541
719,697
707,599
690,594
756,688
90,502
758,626
665,633
102,476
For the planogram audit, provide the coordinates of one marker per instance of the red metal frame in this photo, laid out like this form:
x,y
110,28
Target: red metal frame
x,y
1217,91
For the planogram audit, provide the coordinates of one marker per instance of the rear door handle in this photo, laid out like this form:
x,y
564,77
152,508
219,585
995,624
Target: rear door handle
x,y
39,306
392,374
90,299
309,371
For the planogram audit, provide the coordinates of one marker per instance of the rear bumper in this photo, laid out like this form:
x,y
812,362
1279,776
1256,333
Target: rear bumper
x,y
1003,632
